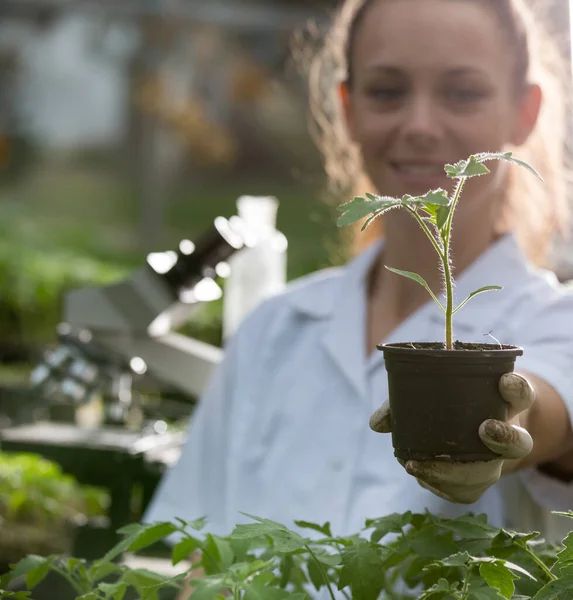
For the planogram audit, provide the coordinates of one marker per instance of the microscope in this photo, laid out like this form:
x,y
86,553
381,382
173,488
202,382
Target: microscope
x,y
114,333
111,335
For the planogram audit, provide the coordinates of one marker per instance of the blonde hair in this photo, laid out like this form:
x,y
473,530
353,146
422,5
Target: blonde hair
x,y
535,212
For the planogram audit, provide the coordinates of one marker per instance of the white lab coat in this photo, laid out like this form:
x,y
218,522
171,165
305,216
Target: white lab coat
x,y
282,431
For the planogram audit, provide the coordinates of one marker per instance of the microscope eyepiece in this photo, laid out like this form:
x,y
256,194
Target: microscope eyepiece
x,y
194,261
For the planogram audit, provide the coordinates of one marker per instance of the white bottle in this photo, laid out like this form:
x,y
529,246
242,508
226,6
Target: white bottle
x,y
258,271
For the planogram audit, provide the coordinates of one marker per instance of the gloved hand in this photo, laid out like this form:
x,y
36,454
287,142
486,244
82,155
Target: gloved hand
x,y
465,483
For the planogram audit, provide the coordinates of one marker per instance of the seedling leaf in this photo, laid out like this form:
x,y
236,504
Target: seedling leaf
x,y
471,167
487,288
498,576
418,279
360,208
438,197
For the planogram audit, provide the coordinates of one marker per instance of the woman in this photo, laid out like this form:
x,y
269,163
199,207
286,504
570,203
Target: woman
x,y
283,430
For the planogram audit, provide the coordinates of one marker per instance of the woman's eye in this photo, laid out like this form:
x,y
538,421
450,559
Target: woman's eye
x,y
386,94
465,96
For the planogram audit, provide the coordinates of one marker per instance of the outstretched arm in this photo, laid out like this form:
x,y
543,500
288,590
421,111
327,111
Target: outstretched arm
x,y
537,432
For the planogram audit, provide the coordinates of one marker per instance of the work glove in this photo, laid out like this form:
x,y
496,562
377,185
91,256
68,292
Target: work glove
x,y
465,483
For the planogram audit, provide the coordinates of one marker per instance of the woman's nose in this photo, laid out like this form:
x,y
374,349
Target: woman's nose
x,y
422,120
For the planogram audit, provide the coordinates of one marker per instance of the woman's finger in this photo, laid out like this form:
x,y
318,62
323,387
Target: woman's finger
x,y
517,392
509,441
381,419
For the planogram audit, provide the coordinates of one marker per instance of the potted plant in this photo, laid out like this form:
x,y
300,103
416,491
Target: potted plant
x,y
451,386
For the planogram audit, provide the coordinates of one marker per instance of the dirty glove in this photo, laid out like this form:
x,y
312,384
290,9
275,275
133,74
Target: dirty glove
x,y
465,483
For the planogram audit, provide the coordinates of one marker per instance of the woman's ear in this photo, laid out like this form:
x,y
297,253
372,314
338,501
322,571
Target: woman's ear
x,y
346,104
529,108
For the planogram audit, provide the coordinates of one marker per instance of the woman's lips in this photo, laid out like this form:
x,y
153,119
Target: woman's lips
x,y
419,173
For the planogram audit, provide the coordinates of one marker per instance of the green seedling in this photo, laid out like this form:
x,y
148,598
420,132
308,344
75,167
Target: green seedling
x,y
434,212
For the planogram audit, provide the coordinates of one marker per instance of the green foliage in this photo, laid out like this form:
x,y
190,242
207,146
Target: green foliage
x,y
402,556
35,490
35,271
434,213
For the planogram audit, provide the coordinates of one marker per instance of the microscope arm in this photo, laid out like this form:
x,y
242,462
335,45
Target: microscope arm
x,y
176,360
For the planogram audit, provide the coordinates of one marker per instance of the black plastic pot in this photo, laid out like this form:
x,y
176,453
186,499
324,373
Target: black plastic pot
x,y
439,398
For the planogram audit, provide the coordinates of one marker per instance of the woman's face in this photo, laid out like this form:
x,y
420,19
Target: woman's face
x,y
432,83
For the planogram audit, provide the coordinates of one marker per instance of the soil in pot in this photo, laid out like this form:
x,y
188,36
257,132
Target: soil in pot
x,y
439,398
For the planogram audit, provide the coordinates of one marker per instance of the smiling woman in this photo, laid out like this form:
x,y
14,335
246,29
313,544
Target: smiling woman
x,y
283,431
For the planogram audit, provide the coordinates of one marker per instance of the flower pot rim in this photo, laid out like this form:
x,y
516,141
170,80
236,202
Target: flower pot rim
x,y
431,349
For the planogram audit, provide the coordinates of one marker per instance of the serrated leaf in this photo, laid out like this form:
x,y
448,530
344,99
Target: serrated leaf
x,y
184,549
24,566
508,157
471,167
474,166
509,541
460,559
284,539
498,576
290,572
430,543
150,535
100,570
480,590
562,589
487,288
468,527
363,570
14,595
315,575
360,208
565,557
115,591
132,528
222,549
442,216
430,199
569,513
142,537
258,570
392,523
442,586
38,573
418,279
225,552
505,563
324,529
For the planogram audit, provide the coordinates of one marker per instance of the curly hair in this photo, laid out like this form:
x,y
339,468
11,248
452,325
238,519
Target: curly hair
x,y
536,212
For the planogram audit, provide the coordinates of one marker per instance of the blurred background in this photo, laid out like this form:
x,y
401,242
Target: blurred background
x,y
125,127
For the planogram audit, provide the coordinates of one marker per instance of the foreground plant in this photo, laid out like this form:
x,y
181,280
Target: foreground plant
x,y
434,212
425,557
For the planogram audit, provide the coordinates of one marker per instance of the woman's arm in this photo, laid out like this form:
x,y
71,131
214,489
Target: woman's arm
x,y
549,425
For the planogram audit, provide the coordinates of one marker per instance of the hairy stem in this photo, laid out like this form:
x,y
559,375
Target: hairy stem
x,y
427,231
447,235
449,305
322,572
